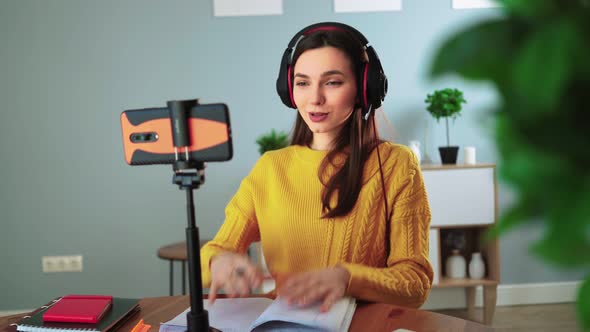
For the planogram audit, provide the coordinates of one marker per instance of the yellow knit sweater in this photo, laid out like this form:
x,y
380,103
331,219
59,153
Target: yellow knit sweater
x,y
279,204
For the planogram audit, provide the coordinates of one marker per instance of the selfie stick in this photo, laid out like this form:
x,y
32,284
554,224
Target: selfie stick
x,y
189,175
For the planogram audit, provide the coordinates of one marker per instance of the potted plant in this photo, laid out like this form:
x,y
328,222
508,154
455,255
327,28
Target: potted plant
x,y
446,103
272,141
535,55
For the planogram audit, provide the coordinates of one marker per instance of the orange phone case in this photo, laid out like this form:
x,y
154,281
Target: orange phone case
x,y
209,135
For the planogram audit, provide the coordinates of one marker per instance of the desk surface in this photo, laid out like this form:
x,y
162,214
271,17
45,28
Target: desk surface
x,y
368,317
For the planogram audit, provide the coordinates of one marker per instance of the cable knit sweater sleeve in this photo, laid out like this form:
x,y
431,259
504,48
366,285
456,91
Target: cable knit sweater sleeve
x,y
240,227
407,278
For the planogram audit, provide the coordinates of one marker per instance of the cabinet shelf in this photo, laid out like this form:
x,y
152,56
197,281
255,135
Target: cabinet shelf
x,y
471,225
455,166
464,282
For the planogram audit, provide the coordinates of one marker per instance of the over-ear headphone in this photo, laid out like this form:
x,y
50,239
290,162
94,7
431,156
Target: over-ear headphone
x,y
372,82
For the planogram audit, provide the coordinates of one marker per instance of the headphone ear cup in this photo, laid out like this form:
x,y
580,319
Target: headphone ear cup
x,y
362,86
376,80
284,81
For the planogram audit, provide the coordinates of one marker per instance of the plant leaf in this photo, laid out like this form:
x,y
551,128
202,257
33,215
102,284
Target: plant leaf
x,y
537,55
545,63
480,52
445,103
272,141
584,304
517,214
535,8
566,241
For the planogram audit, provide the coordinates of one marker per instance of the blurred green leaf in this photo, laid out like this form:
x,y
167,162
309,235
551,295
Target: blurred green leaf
x,y
538,57
524,163
517,214
566,241
584,304
272,141
543,66
483,51
537,8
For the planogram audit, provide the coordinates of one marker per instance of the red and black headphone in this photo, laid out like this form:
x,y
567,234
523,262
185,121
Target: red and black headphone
x,y
372,82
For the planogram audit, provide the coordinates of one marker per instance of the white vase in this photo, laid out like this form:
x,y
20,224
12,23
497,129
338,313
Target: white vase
x,y
455,265
415,147
469,155
477,268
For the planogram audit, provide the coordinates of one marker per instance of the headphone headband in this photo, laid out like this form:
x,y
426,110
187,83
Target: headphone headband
x,y
372,85
327,26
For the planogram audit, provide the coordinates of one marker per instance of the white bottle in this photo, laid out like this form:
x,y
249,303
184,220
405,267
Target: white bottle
x,y
477,269
415,147
455,265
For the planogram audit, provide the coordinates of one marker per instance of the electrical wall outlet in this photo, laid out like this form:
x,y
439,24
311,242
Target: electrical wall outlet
x,y
52,264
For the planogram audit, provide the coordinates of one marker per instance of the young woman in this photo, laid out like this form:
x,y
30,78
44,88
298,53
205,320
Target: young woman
x,y
339,212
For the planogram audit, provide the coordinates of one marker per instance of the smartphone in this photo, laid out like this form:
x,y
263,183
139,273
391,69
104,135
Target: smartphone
x,y
147,135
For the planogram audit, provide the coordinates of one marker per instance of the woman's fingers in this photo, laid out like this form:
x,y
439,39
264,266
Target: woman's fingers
x,y
235,274
213,292
239,283
230,289
296,289
314,295
305,289
253,275
329,301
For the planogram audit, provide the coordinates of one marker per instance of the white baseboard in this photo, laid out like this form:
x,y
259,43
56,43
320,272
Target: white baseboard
x,y
518,294
452,298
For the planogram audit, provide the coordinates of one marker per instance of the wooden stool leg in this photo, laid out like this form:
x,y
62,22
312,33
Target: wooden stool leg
x,y
470,300
183,277
489,302
171,277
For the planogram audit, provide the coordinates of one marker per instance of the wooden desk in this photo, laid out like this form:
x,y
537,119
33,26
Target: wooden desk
x,y
368,317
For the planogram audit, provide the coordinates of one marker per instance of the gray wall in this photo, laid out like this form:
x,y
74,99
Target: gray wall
x,y
69,67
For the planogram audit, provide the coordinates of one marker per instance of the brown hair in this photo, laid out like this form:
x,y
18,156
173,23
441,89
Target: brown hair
x,y
357,138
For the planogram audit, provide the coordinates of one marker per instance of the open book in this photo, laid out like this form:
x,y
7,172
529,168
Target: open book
x,y
262,314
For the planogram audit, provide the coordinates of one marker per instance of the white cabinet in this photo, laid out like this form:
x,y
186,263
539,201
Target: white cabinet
x,y
463,203
461,196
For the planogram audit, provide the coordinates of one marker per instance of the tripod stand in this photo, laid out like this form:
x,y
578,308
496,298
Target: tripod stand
x,y
189,175
197,318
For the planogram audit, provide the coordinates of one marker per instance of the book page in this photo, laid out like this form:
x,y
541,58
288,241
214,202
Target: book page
x,y
236,314
227,315
308,317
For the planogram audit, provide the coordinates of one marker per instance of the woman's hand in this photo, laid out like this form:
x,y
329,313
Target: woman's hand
x,y
325,285
235,274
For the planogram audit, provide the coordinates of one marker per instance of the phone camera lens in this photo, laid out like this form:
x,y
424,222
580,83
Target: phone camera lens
x,y
144,137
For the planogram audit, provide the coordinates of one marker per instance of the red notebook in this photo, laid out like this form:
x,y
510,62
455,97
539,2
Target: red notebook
x,y
79,309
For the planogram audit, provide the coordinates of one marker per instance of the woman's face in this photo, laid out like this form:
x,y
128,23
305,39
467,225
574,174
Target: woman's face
x,y
324,90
